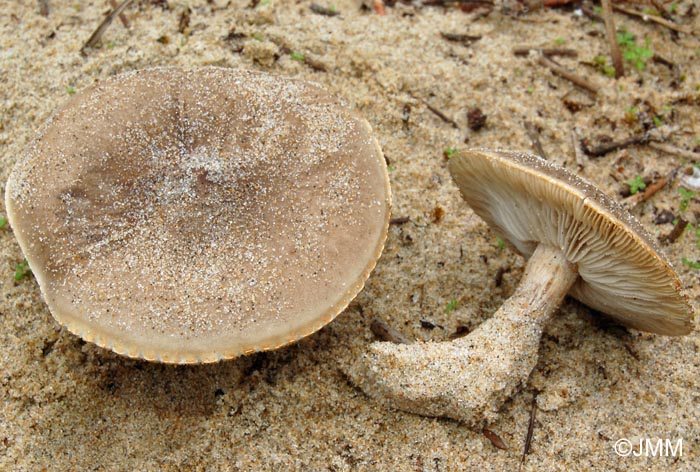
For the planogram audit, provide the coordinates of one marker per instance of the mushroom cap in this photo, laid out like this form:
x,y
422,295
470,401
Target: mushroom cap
x,y
192,215
530,201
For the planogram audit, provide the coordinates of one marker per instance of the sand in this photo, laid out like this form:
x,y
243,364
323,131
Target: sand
x,y
67,404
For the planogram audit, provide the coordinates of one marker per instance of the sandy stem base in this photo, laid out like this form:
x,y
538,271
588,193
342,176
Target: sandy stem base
x,y
469,379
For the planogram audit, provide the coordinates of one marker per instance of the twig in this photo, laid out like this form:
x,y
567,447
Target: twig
x,y
656,19
676,231
603,149
612,38
563,72
95,37
590,13
384,332
534,135
122,16
44,7
525,50
399,220
460,38
651,190
576,143
495,439
440,114
530,430
316,8
676,151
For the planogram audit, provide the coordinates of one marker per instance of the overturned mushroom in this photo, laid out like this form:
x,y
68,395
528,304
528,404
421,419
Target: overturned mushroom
x,y
192,215
578,241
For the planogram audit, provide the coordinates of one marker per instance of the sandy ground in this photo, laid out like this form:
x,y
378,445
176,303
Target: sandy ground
x,y
70,405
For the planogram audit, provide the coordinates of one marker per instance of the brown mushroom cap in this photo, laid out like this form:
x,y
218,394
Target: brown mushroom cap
x,y
621,271
192,215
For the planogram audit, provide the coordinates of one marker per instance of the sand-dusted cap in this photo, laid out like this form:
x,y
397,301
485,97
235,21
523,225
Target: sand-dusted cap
x,y
191,215
621,271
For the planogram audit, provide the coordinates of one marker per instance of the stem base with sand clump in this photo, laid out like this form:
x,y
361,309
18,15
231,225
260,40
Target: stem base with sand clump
x,y
469,379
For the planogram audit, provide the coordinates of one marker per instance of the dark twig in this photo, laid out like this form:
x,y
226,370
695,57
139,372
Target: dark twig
x,y
611,34
95,37
122,16
676,231
656,19
530,430
602,149
525,50
316,8
440,114
44,7
568,75
400,220
534,134
460,38
384,332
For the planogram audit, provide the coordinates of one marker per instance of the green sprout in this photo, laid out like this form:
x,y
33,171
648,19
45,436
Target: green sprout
x,y
500,243
658,122
390,168
297,56
601,63
449,152
686,196
111,44
70,90
530,90
451,306
632,52
258,37
636,184
559,41
22,269
3,221
691,264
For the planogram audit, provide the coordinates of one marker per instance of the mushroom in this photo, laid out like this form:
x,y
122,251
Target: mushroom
x,y
578,241
198,214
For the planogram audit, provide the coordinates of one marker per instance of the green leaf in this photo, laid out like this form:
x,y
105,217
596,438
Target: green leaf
x,y
449,152
451,306
691,264
22,269
3,221
636,184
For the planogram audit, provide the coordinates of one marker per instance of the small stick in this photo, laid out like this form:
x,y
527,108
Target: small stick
x,y
44,7
530,430
673,150
590,13
561,71
575,142
603,149
316,8
676,231
400,220
122,16
612,38
651,190
525,50
384,332
440,114
534,135
460,38
95,37
656,19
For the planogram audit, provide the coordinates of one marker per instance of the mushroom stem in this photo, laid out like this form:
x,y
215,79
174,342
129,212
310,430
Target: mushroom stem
x,y
469,379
